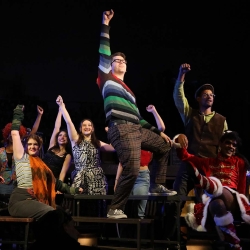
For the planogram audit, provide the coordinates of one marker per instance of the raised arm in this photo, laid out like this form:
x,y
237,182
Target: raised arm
x,y
180,99
104,47
73,135
38,120
18,116
57,127
159,121
107,16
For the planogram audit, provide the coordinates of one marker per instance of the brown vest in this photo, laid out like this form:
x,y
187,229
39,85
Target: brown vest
x,y
203,138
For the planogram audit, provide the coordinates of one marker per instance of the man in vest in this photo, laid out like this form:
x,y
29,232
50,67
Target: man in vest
x,y
203,128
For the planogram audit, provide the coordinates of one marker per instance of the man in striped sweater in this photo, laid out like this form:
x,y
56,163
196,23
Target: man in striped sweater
x,y
128,132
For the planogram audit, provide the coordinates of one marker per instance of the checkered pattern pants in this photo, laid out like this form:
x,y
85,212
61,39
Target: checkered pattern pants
x,y
128,140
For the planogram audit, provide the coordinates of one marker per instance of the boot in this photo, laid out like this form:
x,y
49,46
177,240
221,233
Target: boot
x,y
211,185
225,224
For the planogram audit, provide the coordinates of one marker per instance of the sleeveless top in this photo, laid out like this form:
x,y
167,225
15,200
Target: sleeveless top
x,y
54,162
86,156
88,172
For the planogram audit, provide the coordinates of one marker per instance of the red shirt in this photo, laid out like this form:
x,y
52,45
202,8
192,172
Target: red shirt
x,y
146,157
230,171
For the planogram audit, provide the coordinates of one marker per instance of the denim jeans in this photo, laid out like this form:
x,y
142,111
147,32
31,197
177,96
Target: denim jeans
x,y
6,188
141,187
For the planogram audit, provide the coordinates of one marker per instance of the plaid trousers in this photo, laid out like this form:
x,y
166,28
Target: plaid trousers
x,y
128,140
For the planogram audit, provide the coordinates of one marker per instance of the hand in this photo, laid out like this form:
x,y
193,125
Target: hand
x,y
59,101
107,16
80,190
184,68
39,110
150,108
166,138
182,139
2,179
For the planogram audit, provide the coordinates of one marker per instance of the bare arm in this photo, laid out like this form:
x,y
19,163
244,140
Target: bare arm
x,y
65,167
2,179
56,129
106,147
38,120
158,119
73,135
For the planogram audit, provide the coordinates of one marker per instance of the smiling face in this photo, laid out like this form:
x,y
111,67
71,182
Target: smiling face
x,y
229,143
86,128
32,144
62,138
32,147
228,148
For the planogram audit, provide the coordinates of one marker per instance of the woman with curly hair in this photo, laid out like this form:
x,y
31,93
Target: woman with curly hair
x,y
224,184
7,169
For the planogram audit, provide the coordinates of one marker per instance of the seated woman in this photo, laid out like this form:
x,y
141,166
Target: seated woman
x,y
35,193
224,184
7,167
88,173
58,157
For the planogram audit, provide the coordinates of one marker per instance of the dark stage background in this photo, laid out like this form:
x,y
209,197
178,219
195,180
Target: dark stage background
x,y
51,47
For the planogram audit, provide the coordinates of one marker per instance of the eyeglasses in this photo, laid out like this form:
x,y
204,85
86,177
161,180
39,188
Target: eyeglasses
x,y
119,61
231,143
206,95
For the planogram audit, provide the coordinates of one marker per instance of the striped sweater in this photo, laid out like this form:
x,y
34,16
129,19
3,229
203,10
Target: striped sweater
x,y
119,100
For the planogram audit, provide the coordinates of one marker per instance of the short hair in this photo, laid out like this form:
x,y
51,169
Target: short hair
x,y
118,54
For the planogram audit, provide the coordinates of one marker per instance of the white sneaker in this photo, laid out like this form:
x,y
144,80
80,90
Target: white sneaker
x,y
116,214
160,189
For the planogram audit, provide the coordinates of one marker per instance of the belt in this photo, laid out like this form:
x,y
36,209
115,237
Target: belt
x,y
117,122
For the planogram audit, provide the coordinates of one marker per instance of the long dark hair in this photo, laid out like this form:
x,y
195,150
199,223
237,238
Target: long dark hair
x,y
94,140
68,147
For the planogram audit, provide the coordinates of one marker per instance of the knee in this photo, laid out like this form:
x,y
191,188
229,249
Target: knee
x,y
217,207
